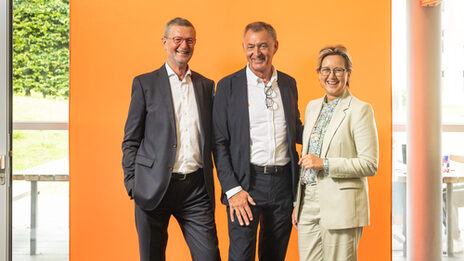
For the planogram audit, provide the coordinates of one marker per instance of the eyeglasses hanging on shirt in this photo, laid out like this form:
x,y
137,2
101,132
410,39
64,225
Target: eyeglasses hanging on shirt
x,y
268,91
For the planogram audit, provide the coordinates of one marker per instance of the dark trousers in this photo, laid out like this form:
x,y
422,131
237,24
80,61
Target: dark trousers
x,y
188,201
272,194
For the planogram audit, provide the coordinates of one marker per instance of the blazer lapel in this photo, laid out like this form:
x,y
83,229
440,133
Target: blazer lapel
x,y
165,89
240,88
283,88
337,119
310,120
199,96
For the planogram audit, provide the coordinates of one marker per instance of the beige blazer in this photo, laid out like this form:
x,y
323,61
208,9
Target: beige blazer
x,y
351,147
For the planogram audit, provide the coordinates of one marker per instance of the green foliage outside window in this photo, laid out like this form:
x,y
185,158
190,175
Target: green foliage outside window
x,y
41,47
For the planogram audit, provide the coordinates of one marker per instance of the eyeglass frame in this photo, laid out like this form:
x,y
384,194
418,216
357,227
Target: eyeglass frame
x,y
174,38
268,91
328,71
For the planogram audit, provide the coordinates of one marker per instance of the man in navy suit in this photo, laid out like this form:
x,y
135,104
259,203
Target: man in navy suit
x,y
167,151
256,124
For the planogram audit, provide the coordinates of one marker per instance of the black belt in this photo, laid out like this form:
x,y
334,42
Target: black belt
x,y
270,169
182,177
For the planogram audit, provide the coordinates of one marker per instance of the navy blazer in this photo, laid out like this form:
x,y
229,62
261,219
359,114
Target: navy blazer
x,y
150,140
231,130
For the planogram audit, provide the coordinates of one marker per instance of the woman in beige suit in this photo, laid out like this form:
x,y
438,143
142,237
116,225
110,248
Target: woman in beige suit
x,y
340,149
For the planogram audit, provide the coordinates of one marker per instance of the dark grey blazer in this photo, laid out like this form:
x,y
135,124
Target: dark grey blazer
x,y
231,129
150,141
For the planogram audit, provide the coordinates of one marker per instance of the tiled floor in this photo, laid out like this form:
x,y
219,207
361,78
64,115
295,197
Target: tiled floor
x,y
399,257
53,225
397,245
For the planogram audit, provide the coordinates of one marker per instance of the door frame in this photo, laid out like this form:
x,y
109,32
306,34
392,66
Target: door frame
x,y
5,129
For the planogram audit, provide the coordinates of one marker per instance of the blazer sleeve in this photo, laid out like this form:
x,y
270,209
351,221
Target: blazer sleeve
x,y
366,145
221,151
133,134
299,125
213,91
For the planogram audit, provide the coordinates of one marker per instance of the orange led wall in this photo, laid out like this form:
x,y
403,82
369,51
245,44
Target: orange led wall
x,y
114,40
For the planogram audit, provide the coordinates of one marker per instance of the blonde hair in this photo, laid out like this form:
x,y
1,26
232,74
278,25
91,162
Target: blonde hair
x,y
336,50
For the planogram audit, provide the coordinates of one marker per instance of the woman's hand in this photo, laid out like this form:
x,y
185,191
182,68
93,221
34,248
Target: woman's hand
x,y
309,161
294,223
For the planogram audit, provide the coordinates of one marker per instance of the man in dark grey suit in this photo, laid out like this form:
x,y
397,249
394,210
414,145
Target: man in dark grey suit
x,y
256,124
167,151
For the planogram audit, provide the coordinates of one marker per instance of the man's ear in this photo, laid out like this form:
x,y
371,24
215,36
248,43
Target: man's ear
x,y
276,46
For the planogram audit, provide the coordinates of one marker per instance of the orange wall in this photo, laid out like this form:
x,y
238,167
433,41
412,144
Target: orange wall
x,y
114,40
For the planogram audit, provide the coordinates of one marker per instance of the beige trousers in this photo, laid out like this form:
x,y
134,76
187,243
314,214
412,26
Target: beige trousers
x,y
316,243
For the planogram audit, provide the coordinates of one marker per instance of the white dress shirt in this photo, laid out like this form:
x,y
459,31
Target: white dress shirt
x,y
188,155
268,128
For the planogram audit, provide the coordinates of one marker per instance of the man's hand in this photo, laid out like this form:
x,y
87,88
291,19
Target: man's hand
x,y
238,204
294,223
309,161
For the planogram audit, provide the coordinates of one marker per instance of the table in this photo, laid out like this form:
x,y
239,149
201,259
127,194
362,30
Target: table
x,y
449,179
34,178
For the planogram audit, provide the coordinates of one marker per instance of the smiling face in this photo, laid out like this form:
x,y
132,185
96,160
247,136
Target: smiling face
x,y
334,85
179,54
259,48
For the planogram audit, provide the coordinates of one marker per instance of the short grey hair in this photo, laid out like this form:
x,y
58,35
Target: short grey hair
x,y
177,21
259,26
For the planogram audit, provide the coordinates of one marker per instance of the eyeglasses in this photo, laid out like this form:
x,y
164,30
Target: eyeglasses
x,y
179,40
268,92
339,72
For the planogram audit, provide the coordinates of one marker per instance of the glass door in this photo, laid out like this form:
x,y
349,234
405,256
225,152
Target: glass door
x,y
5,130
40,91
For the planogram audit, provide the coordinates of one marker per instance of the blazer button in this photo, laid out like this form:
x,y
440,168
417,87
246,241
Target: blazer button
x,y
170,169
174,145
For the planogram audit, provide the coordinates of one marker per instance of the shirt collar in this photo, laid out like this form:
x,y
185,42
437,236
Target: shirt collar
x,y
171,72
252,78
332,103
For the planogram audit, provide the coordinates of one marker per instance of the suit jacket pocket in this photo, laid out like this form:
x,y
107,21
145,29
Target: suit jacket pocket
x,y
143,160
354,183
